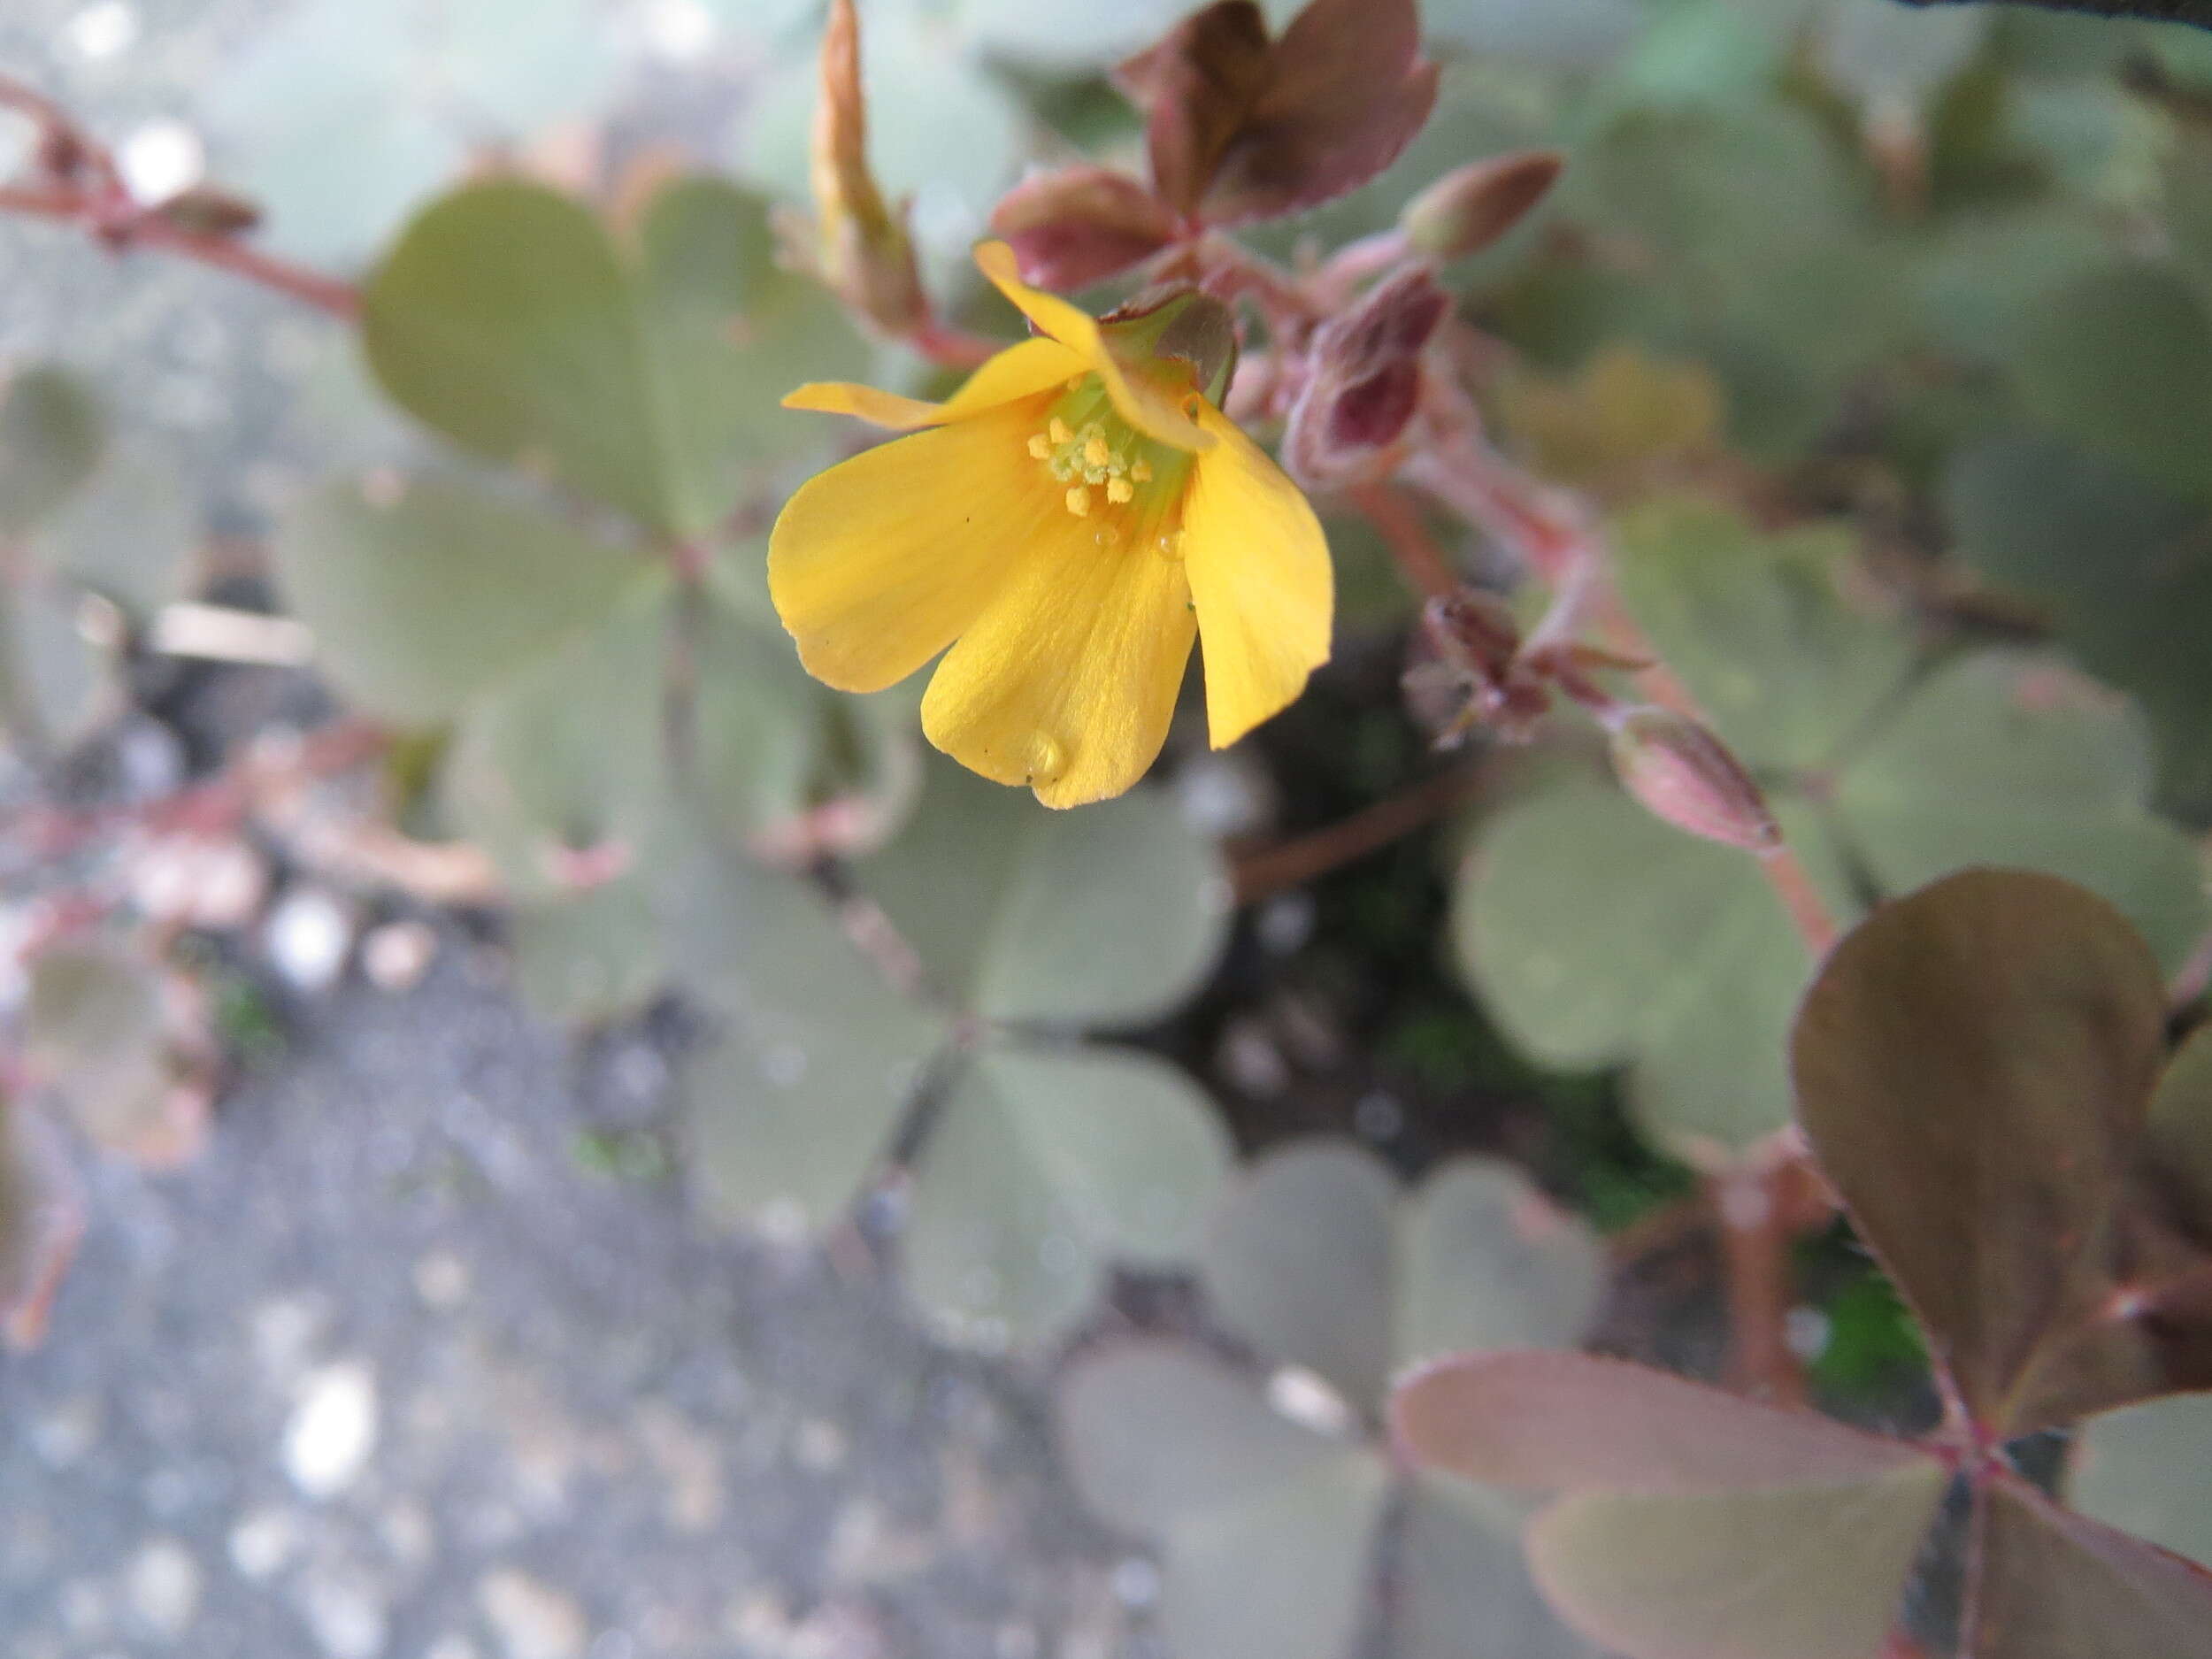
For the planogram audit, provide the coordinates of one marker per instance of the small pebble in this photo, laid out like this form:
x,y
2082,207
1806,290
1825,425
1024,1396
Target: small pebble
x,y
164,1589
333,1430
532,1619
395,956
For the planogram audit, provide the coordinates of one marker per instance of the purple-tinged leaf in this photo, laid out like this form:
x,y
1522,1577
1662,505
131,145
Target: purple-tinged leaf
x,y
2048,1584
1080,225
1197,87
1972,1067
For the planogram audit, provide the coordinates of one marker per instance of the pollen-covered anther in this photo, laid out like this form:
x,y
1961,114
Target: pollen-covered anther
x,y
1079,502
1058,432
1039,446
1120,489
1142,471
1096,453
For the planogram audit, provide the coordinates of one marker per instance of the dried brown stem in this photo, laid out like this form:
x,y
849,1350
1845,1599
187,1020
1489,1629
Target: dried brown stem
x,y
1293,863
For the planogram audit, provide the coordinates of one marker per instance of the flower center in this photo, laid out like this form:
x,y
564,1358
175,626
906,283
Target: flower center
x,y
1104,469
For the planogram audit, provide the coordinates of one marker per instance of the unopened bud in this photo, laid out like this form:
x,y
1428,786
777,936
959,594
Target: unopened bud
x,y
1464,211
866,253
1364,382
1681,773
207,210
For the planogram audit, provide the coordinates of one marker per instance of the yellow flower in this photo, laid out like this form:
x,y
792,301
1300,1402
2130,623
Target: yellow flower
x,y
1068,522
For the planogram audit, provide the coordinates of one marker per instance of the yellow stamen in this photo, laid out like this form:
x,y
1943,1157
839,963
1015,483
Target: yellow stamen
x,y
1094,451
1142,471
1039,447
1079,502
1059,431
1119,489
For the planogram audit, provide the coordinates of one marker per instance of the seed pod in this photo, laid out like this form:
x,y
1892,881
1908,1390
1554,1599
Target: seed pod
x,y
1681,773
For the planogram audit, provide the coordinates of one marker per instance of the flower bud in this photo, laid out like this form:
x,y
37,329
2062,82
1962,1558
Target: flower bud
x,y
1681,773
865,252
1364,382
1465,210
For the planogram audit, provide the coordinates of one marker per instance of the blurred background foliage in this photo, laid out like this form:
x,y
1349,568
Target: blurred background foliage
x,y
1881,335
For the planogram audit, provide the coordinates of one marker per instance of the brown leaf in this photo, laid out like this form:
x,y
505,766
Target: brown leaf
x,y
1080,225
2049,1583
1346,92
1238,129
1972,1070
1197,87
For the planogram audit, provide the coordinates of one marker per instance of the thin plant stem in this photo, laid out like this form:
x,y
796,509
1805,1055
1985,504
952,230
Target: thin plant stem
x,y
1755,1239
1423,565
1293,863
71,205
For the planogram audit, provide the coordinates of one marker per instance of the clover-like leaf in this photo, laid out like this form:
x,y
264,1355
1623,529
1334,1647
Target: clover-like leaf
x,y
124,535
51,436
2010,758
1974,1068
423,598
589,956
293,105
1240,127
1046,1167
1598,939
1107,917
2050,1584
790,1104
1318,1259
2141,1469
55,688
96,1034
1691,1524
2121,361
507,318
2122,569
1599,936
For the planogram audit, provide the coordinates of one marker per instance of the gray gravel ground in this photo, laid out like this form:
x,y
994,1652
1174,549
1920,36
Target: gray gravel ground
x,y
394,1370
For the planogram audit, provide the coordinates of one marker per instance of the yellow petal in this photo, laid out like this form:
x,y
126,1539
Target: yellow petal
x,y
1260,574
1068,680
1155,408
877,564
1016,371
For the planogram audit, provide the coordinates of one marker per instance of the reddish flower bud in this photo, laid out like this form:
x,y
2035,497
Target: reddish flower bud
x,y
1364,382
864,252
1681,773
207,210
1080,225
1467,210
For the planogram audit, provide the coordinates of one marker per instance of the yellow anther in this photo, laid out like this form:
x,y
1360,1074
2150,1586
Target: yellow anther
x,y
1059,431
1142,471
1039,447
1119,489
1079,502
1094,451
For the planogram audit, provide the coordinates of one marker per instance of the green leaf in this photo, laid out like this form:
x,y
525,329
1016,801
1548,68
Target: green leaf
x,y
1300,1261
2178,1130
1487,1260
790,1106
126,536
2121,361
1782,665
1111,916
1879,51
1809,1572
2007,758
1267,1527
1598,936
2123,571
1971,1067
2142,1470
422,601
1460,1589
507,318
55,686
52,434
2049,1583
593,957
1046,1167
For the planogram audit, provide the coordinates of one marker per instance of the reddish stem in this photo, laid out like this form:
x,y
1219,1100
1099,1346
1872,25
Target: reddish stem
x,y
1293,863
1755,1239
139,228
1425,566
